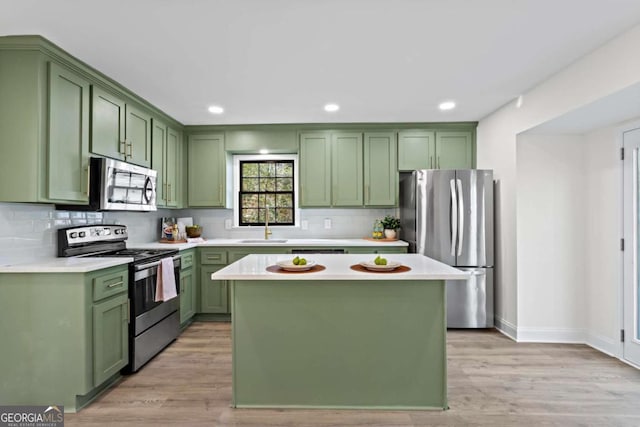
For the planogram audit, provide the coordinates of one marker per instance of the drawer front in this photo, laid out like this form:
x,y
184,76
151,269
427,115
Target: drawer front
x,y
213,257
187,259
110,284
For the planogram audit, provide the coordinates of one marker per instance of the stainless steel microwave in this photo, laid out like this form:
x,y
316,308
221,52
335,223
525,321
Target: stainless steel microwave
x,y
119,186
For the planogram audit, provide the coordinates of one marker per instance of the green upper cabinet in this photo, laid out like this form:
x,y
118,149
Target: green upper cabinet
x,y
454,150
119,130
206,170
380,173
427,149
346,169
173,169
166,158
68,135
416,150
315,169
138,136
107,124
158,160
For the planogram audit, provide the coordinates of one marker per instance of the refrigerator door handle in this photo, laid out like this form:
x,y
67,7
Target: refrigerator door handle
x,y
460,216
454,217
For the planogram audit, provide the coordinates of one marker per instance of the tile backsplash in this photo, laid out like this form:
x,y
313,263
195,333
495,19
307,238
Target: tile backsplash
x,y
28,230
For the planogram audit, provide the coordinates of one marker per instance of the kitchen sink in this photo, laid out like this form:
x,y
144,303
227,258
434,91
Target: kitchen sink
x,y
264,241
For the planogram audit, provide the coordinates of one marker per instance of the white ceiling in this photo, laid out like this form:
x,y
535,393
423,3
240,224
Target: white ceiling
x,y
280,61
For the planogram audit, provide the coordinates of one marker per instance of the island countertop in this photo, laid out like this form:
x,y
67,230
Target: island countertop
x,y
254,267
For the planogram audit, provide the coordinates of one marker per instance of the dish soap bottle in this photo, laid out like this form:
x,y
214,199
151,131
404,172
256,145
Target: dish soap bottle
x,y
378,229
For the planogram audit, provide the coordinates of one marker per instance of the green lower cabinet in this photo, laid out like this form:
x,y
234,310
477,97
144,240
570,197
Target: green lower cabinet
x,y
64,335
187,296
110,337
213,293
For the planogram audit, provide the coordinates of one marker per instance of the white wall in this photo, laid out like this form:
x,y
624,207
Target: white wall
x,y
606,70
551,229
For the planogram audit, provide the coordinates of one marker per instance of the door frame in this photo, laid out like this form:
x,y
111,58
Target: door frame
x,y
620,131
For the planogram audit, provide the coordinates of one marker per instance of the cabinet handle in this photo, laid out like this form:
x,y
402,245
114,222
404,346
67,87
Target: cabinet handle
x,y
430,162
130,145
113,285
367,192
88,180
123,150
169,193
438,162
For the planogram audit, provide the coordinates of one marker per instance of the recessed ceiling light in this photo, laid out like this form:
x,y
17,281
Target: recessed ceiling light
x,y
447,105
331,107
215,109
264,151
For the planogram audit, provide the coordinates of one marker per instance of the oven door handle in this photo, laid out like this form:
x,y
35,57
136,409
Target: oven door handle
x,y
154,264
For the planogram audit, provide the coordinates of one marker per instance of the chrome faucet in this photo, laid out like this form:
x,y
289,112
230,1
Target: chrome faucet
x,y
267,232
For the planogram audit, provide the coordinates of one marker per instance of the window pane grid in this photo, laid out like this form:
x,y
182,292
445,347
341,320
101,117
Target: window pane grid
x,y
266,183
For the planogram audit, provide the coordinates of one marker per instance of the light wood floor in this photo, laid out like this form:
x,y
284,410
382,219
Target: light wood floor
x,y
493,381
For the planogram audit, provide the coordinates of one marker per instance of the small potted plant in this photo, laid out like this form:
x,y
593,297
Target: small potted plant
x,y
390,224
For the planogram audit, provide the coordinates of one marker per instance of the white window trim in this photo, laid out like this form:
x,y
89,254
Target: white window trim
x,y
236,184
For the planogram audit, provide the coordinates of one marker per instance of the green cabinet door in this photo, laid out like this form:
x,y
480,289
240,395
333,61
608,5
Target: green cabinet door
x,y
107,124
380,173
110,337
138,136
187,296
315,170
346,169
207,170
172,166
68,135
454,150
158,159
213,293
416,150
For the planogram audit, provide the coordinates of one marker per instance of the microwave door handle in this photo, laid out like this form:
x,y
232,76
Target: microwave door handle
x,y
460,216
453,224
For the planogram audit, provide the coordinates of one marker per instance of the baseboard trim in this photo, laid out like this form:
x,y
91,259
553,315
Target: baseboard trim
x,y
552,335
506,328
604,344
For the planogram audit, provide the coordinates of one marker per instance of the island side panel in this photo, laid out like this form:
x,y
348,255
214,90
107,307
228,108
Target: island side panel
x,y
339,344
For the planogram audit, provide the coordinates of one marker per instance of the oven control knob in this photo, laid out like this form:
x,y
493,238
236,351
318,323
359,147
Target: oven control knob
x,y
117,231
82,234
73,235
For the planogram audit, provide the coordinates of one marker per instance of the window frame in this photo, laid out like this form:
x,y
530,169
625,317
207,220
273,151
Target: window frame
x,y
238,159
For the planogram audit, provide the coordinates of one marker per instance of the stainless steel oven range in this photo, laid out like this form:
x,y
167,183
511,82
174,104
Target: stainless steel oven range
x,y
154,324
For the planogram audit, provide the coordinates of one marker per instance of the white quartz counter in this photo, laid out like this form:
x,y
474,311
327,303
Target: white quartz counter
x,y
298,243
61,265
85,265
254,267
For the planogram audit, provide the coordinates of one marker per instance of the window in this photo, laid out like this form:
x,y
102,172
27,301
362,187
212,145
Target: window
x,y
266,184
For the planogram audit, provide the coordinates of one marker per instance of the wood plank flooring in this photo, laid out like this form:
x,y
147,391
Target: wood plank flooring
x,y
493,381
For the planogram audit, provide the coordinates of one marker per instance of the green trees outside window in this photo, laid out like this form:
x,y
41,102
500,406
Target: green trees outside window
x,y
266,184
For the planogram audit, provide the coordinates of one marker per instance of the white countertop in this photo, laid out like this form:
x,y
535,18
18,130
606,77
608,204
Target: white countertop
x,y
274,242
85,265
253,267
62,265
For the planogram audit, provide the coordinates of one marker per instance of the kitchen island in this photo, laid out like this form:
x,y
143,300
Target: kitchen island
x,y
339,338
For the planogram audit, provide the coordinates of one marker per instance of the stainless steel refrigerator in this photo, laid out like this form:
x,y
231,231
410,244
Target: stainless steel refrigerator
x,y
448,215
